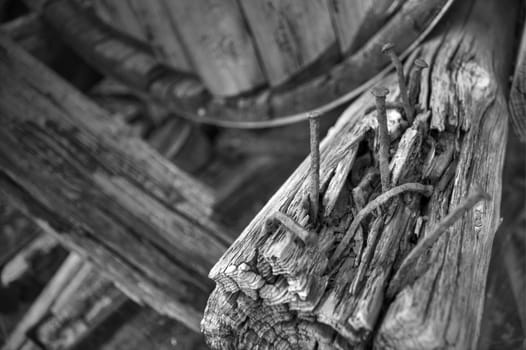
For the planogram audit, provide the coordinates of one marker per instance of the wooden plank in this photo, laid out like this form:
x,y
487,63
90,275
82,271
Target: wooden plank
x,y
70,267
504,319
357,21
118,55
24,276
120,15
107,195
218,43
289,35
25,262
161,33
121,57
274,291
86,302
134,327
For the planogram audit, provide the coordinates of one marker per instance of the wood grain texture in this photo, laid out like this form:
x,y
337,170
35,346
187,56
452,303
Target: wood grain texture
x,y
79,307
31,33
518,91
218,43
119,55
80,176
160,32
356,21
120,15
289,35
506,290
137,328
92,313
16,231
274,291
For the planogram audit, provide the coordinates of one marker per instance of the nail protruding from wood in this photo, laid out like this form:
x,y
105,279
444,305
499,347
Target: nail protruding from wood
x,y
401,276
388,49
414,80
425,190
380,94
309,238
388,105
314,190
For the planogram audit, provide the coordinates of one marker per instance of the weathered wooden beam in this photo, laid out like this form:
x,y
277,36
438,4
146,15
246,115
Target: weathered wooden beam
x,y
277,292
518,91
65,163
219,45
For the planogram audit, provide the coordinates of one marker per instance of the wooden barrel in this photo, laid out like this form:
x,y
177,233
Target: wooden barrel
x,y
262,62
238,48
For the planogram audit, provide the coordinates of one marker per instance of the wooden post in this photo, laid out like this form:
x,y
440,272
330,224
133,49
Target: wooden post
x,y
274,291
65,163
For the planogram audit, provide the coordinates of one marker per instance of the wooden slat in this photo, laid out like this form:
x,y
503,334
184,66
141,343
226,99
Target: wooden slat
x,y
356,21
218,43
15,231
123,58
107,195
120,15
274,291
518,92
137,328
290,35
31,33
160,32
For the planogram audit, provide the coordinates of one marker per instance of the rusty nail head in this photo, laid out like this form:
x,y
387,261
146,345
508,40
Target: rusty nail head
x,y
380,91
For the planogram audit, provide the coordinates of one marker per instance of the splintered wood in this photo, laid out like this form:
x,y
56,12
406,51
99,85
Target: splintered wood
x,y
79,175
274,291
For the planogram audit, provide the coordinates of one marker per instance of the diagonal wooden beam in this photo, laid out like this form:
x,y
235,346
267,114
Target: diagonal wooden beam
x,y
103,193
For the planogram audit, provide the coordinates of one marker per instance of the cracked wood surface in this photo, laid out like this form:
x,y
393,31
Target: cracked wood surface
x,y
518,91
80,176
273,291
